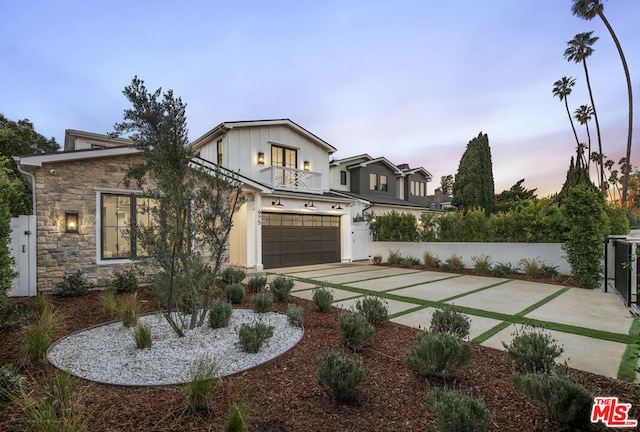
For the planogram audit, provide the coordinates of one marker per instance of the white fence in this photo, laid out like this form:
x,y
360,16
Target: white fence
x,y
550,253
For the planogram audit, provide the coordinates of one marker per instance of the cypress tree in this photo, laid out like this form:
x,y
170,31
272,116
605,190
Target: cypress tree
x,y
473,185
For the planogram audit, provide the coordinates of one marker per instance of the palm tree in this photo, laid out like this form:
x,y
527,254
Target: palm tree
x,y
584,113
588,9
562,89
578,51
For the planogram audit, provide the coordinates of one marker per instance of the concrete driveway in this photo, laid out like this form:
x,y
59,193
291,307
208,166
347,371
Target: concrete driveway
x,y
593,327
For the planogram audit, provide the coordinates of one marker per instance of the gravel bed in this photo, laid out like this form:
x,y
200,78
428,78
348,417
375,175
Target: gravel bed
x,y
108,354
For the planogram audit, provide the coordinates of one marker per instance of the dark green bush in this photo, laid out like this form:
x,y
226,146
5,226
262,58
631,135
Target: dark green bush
x,y
125,281
503,269
10,382
438,354
281,287
262,302
456,412
219,314
374,309
548,271
323,298
257,283
559,398
394,257
355,329
73,285
447,319
252,337
341,373
409,261
377,259
295,315
533,350
233,275
235,293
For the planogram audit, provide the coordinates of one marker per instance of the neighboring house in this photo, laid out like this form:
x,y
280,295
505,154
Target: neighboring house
x,y
439,201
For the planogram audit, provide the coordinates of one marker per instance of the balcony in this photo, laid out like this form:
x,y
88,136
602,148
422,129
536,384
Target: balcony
x,y
292,179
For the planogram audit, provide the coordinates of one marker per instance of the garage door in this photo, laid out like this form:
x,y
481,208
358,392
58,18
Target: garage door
x,y
299,239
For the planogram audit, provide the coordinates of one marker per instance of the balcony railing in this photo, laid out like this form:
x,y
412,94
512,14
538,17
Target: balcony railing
x,y
292,179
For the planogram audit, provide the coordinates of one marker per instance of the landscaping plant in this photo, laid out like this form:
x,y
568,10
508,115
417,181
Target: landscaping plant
x,y
454,262
203,377
233,275
237,417
257,283
394,257
376,259
39,336
341,373
374,309
109,304
252,337
438,354
220,313
481,263
125,281
431,261
295,315
456,412
446,319
73,285
142,336
281,286
533,350
531,267
409,261
355,329
323,298
235,293
262,302
10,382
129,310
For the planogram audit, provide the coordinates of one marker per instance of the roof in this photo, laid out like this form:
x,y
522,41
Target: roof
x,y
102,138
374,199
382,160
36,160
364,157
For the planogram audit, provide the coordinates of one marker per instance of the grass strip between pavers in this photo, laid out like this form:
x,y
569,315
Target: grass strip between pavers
x,y
629,364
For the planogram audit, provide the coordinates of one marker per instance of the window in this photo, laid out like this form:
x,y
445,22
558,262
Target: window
x,y
383,182
418,188
343,177
287,161
373,181
219,153
118,213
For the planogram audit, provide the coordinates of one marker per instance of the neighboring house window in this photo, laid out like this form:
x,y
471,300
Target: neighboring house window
x,y
219,153
285,162
373,181
343,177
383,182
118,213
418,188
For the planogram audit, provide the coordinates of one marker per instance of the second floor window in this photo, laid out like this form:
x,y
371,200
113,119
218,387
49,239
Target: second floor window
x,y
219,153
384,182
343,177
373,181
418,188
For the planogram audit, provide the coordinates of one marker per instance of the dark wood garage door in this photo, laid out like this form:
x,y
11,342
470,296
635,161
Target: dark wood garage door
x,y
299,239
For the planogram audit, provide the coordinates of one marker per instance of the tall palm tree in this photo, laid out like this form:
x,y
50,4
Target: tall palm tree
x,y
562,89
588,9
578,51
584,113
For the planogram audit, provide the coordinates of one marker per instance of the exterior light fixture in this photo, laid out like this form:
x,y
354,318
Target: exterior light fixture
x,y
277,203
260,158
306,165
310,205
336,206
71,221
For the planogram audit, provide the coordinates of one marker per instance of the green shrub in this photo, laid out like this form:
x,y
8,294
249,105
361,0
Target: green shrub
x,y
530,266
447,319
237,417
341,373
109,304
129,310
203,377
281,286
73,285
252,337
10,382
125,281
431,261
233,275
142,336
323,298
394,257
409,261
374,309
456,412
549,271
257,284
295,315
355,329
481,264
438,354
377,259
455,262
39,336
220,313
262,302
236,293
559,398
533,350
503,269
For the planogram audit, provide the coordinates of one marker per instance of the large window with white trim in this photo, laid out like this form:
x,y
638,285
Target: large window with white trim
x,y
118,213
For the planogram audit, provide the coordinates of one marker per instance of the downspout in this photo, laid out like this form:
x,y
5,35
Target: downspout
x,y
31,179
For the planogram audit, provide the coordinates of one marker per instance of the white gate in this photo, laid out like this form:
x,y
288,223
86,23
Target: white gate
x,y
23,250
361,241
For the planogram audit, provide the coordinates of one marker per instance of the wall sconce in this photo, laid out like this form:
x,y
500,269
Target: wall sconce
x,y
260,158
336,206
306,165
277,203
310,205
71,221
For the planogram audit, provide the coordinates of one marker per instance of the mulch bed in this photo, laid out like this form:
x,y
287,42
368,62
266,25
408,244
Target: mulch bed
x,y
284,393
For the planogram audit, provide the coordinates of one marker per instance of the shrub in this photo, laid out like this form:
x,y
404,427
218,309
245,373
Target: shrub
x,y
125,281
456,412
252,337
341,373
355,329
438,354
203,377
530,266
447,319
559,398
409,261
281,286
455,262
108,302
237,417
533,350
233,275
431,261
39,336
262,302
142,336
481,263
257,283
129,310
374,309
377,259
73,285
10,382
323,298
502,269
549,271
295,315
236,293
219,314
394,257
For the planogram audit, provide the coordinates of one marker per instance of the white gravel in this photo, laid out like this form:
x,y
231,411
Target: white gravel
x,y
108,353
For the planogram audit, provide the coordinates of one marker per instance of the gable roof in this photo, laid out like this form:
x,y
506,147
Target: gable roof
x,y
382,160
421,170
70,136
224,127
362,157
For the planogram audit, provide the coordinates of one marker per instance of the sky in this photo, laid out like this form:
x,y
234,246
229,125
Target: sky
x,y
412,81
